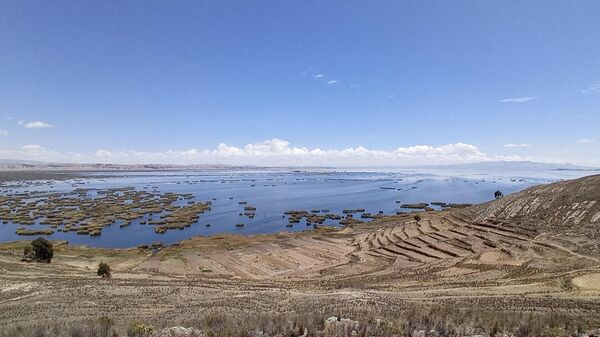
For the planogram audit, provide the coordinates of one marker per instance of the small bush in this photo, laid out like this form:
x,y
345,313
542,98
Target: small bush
x,y
104,270
138,329
40,250
28,253
103,326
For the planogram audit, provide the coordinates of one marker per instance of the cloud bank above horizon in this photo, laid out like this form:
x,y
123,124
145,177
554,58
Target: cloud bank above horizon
x,y
272,152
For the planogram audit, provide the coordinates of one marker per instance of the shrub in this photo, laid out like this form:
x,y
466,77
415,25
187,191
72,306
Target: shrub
x,y
28,253
41,250
104,326
138,329
104,270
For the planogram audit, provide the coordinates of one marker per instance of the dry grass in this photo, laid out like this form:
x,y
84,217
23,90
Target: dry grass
x,y
446,321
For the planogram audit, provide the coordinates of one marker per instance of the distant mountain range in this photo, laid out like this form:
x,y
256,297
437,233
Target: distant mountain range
x,y
518,165
19,162
31,165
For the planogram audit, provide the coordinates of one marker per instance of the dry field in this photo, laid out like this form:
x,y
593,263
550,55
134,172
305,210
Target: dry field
x,y
535,252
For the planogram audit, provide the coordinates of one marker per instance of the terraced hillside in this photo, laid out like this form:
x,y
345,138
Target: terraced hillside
x,y
547,232
564,204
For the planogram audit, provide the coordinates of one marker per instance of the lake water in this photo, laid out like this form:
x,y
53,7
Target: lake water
x,y
274,192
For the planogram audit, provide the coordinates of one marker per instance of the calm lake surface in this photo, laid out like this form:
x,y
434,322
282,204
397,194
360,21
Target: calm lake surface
x,y
274,192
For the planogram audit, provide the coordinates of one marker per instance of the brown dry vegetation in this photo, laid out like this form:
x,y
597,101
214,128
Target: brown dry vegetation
x,y
527,264
84,214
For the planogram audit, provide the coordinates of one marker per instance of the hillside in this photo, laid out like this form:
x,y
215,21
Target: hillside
x,y
569,203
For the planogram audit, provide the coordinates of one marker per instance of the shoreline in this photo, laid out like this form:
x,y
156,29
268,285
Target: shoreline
x,y
216,236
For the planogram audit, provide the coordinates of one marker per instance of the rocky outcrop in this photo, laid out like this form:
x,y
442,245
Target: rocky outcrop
x,y
178,331
341,327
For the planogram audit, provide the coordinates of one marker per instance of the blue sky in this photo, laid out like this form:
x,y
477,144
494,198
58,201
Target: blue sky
x,y
305,82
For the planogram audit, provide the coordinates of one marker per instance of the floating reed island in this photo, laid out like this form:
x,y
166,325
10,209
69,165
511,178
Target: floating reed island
x,y
425,206
88,211
313,218
420,205
25,231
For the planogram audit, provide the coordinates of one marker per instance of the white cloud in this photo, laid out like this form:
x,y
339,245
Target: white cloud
x,y
319,75
35,124
277,152
136,157
518,99
273,152
3,132
593,89
332,82
587,140
38,152
512,145
32,148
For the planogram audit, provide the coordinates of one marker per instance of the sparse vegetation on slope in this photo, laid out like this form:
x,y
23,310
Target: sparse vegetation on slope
x,y
104,270
40,250
415,320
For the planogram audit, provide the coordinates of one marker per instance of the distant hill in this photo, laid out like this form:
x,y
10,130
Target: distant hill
x,y
26,165
517,165
502,166
20,162
507,166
